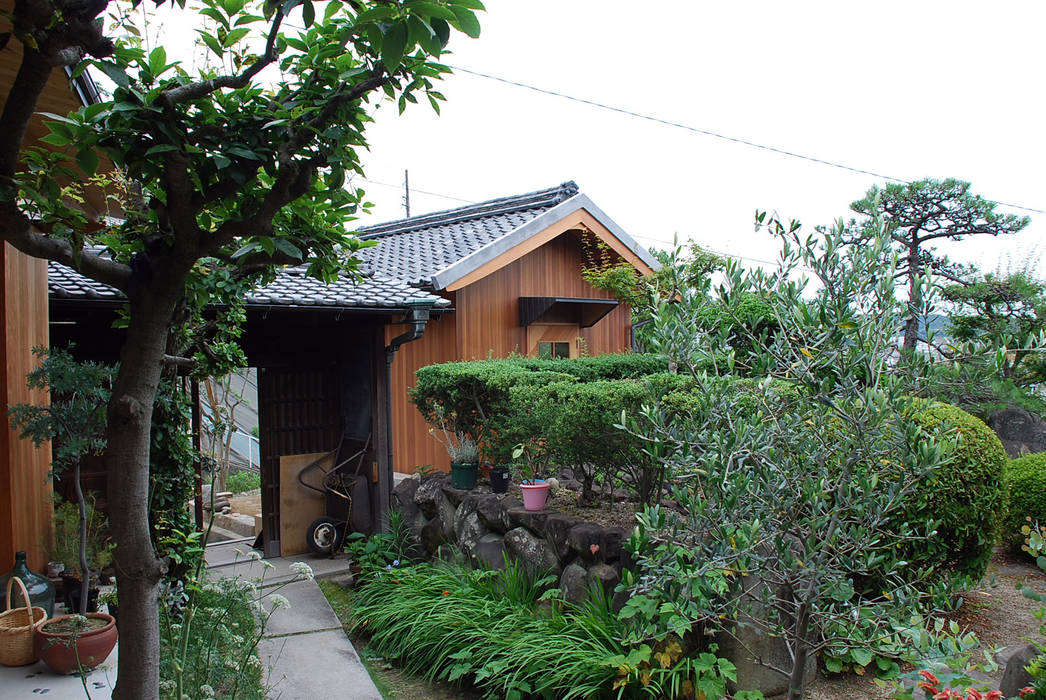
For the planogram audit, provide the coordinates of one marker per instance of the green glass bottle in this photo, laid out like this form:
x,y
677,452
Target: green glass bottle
x,y
41,590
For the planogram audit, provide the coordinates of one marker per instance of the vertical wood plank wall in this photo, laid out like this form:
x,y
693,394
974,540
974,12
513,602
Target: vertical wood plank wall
x,y
26,515
486,322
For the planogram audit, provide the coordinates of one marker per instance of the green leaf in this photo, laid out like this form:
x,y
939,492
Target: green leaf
x,y
161,148
157,60
861,656
242,152
833,664
288,248
308,13
471,4
56,139
235,35
332,9
115,73
211,41
466,21
393,46
87,159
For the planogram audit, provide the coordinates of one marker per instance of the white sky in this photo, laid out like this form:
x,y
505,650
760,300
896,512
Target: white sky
x,y
910,89
907,89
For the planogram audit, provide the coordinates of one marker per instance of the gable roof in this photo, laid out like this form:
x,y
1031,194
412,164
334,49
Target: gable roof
x,y
291,288
436,250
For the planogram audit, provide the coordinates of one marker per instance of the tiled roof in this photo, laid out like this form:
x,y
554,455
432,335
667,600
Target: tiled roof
x,y
290,288
416,249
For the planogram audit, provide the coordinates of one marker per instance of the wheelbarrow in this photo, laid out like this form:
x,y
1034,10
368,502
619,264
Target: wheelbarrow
x,y
343,487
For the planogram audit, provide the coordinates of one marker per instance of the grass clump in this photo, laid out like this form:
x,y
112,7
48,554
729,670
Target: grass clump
x,y
490,627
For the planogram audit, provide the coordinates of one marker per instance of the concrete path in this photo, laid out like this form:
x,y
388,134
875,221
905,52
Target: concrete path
x,y
305,650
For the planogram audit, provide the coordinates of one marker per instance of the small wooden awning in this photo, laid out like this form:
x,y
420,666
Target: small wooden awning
x,y
584,312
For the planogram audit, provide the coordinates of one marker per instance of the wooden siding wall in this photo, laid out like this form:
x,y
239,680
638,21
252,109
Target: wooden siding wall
x,y
486,322
411,443
26,515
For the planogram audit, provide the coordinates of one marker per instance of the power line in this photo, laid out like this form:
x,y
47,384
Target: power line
x,y
415,189
713,134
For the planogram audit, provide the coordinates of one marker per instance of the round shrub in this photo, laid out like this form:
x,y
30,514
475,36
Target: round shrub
x,y
1026,479
965,494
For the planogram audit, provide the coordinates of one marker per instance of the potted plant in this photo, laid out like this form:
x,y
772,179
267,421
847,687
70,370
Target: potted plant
x,y
499,478
463,450
530,457
98,549
74,420
75,643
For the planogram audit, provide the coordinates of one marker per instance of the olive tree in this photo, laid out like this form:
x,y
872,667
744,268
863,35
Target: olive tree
x,y
221,176
791,488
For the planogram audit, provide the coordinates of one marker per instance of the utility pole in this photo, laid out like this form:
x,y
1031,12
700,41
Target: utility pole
x,y
406,191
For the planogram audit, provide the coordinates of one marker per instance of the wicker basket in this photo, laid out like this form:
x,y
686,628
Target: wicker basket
x,y
16,629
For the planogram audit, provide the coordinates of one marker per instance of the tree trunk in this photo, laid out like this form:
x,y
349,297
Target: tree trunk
x,y
915,298
127,462
85,574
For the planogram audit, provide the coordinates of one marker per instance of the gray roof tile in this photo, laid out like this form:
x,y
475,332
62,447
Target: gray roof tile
x,y
417,248
290,288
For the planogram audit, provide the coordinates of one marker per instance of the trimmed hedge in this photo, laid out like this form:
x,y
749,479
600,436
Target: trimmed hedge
x,y
470,393
1026,481
965,494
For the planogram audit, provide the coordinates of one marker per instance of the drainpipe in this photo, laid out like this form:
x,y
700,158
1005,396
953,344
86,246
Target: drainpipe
x,y
418,311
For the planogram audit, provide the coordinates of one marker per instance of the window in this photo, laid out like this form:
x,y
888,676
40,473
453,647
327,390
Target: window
x,y
552,351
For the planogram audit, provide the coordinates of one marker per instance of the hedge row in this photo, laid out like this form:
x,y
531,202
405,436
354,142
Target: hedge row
x,y
576,407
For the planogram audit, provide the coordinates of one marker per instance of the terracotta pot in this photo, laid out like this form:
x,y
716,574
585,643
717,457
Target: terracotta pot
x,y
60,651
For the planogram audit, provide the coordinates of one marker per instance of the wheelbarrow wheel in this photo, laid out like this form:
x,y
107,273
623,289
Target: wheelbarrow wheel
x,y
325,535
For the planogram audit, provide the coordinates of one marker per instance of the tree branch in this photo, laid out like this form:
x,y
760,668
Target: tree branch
x,y
39,246
194,91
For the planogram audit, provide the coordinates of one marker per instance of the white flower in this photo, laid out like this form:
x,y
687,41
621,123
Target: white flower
x,y
167,687
254,555
302,570
279,601
207,690
267,564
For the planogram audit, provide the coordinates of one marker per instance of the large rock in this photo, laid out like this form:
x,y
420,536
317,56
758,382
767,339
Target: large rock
x,y
1015,677
429,494
446,515
595,543
557,527
455,495
533,553
1020,431
431,536
492,513
403,501
533,520
746,644
467,525
490,550
573,584
604,575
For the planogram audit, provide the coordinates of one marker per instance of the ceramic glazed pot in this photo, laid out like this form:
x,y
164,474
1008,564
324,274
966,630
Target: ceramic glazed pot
x,y
61,650
463,476
535,494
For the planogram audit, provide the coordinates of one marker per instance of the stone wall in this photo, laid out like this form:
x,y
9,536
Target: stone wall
x,y
491,528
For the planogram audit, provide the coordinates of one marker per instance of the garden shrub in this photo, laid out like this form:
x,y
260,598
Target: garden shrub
x,y
243,481
590,369
965,493
471,392
1026,481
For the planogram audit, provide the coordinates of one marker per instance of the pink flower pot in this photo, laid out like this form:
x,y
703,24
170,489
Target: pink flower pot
x,y
535,494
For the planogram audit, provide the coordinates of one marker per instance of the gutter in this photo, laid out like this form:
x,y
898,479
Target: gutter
x,y
418,313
